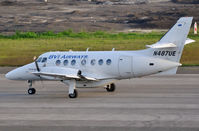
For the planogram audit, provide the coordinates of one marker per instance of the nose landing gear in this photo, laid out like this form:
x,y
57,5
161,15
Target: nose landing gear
x,y
31,90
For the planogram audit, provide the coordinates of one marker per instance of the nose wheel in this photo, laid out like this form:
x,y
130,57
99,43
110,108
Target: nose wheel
x,y
31,90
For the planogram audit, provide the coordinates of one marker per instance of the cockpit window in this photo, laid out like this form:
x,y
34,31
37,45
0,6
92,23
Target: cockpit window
x,y
39,59
44,59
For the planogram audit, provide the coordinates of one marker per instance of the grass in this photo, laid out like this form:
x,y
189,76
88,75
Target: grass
x,y
20,48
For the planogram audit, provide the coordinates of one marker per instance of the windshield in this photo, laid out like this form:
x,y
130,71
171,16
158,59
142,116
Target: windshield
x,y
44,59
39,59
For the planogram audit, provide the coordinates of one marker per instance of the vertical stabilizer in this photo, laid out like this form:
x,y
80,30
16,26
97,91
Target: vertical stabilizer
x,y
170,46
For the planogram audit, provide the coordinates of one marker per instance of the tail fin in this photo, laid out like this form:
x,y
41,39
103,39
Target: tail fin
x,y
178,33
170,46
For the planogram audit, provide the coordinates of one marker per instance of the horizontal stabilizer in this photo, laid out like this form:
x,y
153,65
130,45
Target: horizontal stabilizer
x,y
188,41
161,45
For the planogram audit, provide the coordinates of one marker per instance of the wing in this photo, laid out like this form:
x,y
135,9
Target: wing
x,y
62,73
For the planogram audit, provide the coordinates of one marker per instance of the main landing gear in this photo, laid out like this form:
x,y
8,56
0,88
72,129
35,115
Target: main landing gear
x,y
74,94
111,87
31,90
72,88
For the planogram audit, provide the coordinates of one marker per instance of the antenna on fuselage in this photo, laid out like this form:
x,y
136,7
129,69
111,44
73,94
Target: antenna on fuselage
x,y
113,49
87,49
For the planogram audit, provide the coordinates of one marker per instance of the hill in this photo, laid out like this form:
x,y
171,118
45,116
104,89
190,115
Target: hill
x,y
113,15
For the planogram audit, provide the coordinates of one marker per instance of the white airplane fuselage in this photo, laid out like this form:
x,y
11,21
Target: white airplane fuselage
x,y
101,64
102,68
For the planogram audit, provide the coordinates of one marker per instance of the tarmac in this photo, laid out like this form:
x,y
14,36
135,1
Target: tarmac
x,y
169,103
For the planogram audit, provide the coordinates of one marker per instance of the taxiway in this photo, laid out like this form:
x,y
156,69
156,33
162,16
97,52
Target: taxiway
x,y
141,104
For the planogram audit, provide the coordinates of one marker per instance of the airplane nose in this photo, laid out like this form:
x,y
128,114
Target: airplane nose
x,y
21,73
10,75
7,75
13,75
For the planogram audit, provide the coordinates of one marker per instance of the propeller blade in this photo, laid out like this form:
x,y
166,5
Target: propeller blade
x,y
38,69
36,64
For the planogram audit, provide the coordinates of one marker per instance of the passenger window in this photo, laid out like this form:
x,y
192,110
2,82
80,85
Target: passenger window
x,y
39,59
73,62
65,62
100,62
58,62
83,62
93,61
108,62
44,60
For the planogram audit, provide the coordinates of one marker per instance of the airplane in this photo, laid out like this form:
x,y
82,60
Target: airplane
x,y
87,69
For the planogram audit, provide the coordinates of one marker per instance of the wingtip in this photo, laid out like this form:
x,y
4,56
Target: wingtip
x,y
185,19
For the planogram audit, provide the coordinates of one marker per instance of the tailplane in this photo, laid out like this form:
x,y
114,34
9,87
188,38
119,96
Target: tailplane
x,y
170,46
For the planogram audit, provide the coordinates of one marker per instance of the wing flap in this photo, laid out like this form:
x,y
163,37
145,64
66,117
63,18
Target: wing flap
x,y
63,73
56,75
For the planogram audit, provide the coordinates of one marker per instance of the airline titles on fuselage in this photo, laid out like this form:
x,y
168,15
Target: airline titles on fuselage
x,y
67,56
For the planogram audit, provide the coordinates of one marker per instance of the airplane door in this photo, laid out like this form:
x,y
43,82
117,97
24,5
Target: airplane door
x,y
125,66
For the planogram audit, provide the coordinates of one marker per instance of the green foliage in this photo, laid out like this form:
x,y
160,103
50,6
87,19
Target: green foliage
x,y
20,48
70,34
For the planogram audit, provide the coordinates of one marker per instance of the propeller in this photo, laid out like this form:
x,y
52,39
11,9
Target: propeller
x,y
38,69
36,64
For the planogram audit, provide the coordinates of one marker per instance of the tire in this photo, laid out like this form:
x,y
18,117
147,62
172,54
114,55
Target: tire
x,y
74,95
111,87
31,91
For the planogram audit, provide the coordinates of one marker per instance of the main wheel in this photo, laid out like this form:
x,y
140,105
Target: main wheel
x,y
111,87
74,95
31,91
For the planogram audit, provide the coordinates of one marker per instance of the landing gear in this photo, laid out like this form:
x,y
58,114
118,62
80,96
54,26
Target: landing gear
x,y
74,94
111,87
31,90
72,85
